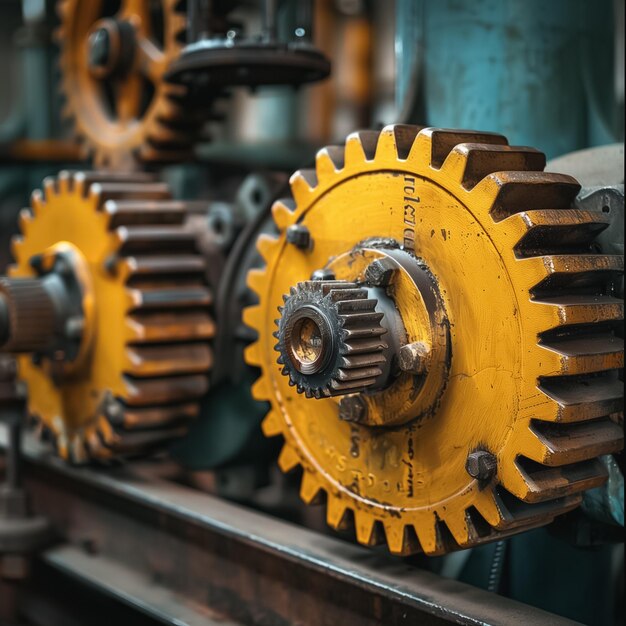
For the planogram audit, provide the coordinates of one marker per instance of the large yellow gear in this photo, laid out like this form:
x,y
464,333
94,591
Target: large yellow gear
x,y
112,69
144,356
514,390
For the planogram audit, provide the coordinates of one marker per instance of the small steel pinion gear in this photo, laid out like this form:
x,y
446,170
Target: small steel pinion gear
x,y
107,307
501,377
112,69
329,338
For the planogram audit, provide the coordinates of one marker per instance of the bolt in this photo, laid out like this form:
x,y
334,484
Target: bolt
x,y
481,465
379,272
323,274
413,357
352,408
99,48
299,236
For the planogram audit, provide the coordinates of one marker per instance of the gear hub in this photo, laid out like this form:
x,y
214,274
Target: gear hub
x,y
499,385
112,76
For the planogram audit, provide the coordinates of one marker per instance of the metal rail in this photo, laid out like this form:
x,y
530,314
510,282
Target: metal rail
x,y
178,556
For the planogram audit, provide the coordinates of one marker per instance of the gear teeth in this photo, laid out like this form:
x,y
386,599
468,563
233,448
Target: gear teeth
x,y
50,189
145,392
514,192
267,247
288,458
252,354
402,540
585,354
328,162
260,390
283,215
338,515
579,309
438,143
360,147
564,444
540,483
252,316
358,325
396,140
150,361
469,163
575,399
542,232
25,219
147,328
303,184
256,281
456,523
271,424
562,274
369,531
17,247
37,202
310,488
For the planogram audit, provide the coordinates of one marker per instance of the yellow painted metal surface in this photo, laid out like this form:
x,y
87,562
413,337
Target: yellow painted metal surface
x,y
463,203
140,344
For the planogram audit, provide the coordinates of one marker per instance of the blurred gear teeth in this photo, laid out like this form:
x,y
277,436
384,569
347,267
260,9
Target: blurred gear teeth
x,y
115,124
536,353
147,368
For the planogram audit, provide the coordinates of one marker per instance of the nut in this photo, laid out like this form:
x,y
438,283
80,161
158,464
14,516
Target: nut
x,y
413,357
299,236
379,272
352,408
481,465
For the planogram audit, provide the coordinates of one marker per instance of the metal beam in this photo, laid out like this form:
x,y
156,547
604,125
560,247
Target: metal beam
x,y
184,557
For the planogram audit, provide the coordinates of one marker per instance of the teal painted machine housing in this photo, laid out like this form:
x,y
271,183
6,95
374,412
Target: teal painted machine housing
x,y
541,73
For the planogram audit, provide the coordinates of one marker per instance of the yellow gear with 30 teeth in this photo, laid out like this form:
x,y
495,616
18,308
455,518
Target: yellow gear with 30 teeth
x,y
530,371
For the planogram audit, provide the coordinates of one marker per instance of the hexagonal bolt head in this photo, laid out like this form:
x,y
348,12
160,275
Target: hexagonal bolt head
x,y
299,236
323,274
481,465
379,272
352,408
413,357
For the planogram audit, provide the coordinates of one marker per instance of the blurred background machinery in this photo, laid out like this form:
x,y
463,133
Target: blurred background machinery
x,y
163,133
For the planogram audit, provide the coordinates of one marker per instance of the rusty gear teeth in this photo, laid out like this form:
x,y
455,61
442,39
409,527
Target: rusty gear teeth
x,y
150,354
353,333
543,315
161,131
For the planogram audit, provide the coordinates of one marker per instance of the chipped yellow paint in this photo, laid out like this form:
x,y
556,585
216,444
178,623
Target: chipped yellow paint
x,y
453,208
69,219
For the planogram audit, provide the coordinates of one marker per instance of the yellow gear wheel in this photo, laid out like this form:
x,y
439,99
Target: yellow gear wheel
x,y
505,386
112,69
144,357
